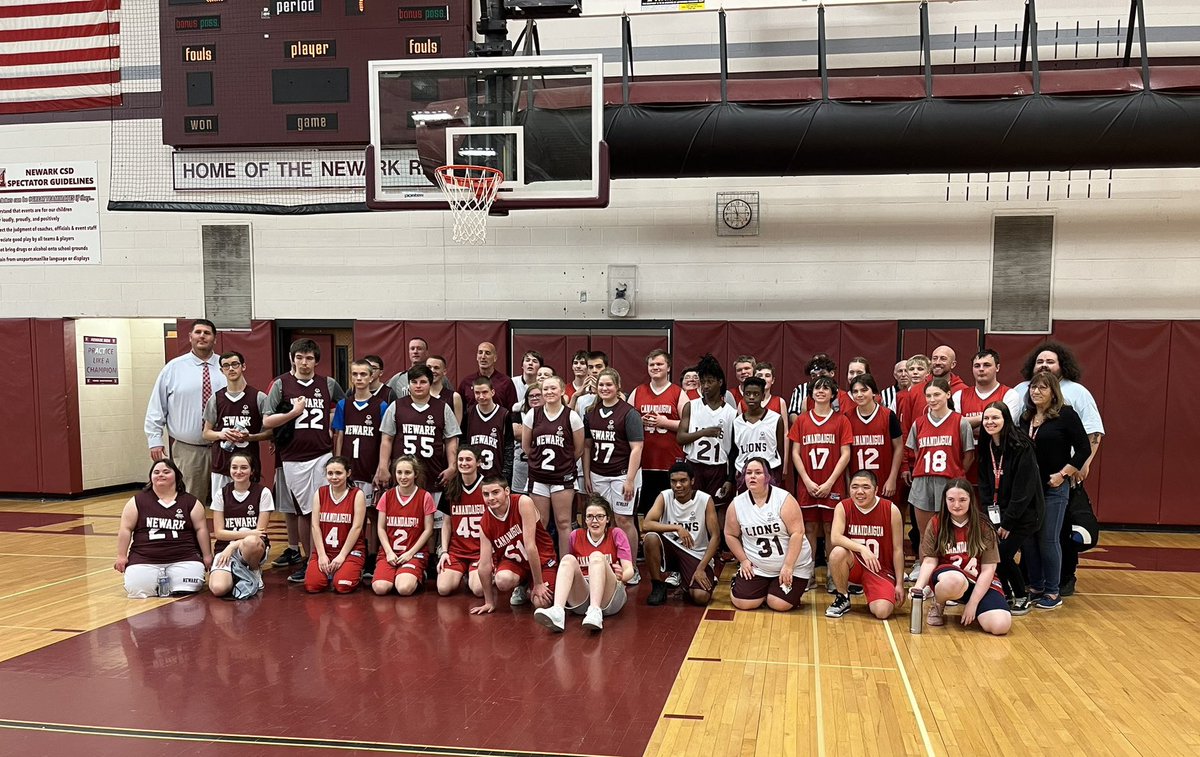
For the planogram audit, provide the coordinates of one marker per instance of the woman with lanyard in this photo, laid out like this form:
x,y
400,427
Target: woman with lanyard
x,y
1010,487
1062,448
765,532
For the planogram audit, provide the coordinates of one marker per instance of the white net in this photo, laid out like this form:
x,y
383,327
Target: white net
x,y
470,191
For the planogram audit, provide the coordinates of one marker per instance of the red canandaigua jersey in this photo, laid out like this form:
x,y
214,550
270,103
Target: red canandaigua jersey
x,y
939,446
506,535
960,558
582,547
871,442
873,529
466,514
660,450
971,406
553,447
163,534
404,518
821,441
336,520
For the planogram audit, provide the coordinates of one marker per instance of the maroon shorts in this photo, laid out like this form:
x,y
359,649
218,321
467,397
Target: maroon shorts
x,y
875,586
387,572
760,587
710,478
679,559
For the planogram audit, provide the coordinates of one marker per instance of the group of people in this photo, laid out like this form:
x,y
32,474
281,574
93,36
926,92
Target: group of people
x,y
545,488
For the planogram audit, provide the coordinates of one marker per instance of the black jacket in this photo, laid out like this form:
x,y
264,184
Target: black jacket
x,y
1022,499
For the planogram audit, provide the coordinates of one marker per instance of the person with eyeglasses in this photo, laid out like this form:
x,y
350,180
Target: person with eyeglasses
x,y
233,421
801,401
592,575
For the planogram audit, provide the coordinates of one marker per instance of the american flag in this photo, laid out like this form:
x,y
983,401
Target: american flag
x,y
57,55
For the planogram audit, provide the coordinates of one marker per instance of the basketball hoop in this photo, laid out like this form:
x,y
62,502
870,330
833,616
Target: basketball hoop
x,y
470,190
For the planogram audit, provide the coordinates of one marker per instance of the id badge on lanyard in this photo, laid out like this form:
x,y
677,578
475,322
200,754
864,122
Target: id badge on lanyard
x,y
994,507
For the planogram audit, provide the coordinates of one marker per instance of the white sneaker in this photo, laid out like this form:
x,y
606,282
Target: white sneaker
x,y
520,596
637,578
594,619
913,574
554,618
674,579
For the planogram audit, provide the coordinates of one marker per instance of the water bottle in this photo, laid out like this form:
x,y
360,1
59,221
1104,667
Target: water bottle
x,y
241,426
916,619
164,583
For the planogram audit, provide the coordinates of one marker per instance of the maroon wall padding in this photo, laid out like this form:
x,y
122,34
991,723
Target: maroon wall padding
x,y
628,357
1177,501
1013,349
802,340
691,340
385,339
467,337
552,347
914,342
874,340
258,347
1089,341
763,340
22,420
1137,363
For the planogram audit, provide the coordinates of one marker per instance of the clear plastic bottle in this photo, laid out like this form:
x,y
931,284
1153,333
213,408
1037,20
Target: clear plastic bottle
x,y
164,583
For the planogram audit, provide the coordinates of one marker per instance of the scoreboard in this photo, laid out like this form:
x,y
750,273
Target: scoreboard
x,y
276,73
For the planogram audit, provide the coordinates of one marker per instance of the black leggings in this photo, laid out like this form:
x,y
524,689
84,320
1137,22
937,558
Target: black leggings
x,y
1008,571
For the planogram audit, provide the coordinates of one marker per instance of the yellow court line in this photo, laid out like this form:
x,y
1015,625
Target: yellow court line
x,y
817,681
1131,596
799,664
52,557
54,583
912,698
32,628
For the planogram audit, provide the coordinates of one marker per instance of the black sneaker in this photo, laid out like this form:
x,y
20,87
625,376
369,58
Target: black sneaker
x,y
840,606
658,593
1020,606
1067,589
856,590
298,576
288,557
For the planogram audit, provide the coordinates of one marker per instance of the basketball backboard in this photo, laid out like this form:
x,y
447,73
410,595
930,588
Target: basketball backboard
x,y
538,119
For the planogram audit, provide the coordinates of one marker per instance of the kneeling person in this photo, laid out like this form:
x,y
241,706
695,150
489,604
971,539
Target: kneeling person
x,y
338,547
592,576
514,549
868,545
405,526
682,530
241,511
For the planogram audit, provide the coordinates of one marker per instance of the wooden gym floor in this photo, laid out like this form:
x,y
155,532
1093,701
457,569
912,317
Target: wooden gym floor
x,y
84,670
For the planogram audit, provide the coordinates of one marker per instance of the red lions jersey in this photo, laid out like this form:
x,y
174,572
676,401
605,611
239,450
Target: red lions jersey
x,y
582,547
506,535
939,446
404,518
660,450
336,520
871,442
466,514
821,441
959,557
874,530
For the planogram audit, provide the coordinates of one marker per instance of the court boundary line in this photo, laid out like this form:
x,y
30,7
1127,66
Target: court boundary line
x,y
1084,594
912,697
54,583
57,557
820,708
285,741
801,664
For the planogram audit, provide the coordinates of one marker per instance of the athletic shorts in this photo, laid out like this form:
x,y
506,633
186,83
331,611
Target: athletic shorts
x,y
760,587
549,571
615,603
817,514
346,579
678,558
538,489
520,475
303,480
186,577
805,500
461,564
611,488
992,600
927,493
710,478
875,586
387,572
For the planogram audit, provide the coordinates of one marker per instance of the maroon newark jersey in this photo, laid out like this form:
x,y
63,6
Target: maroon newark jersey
x,y
360,435
239,516
872,529
553,448
163,534
422,433
506,535
311,438
487,433
605,426
243,412
335,522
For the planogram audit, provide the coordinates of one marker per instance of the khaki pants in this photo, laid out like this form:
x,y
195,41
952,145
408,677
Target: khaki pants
x,y
196,463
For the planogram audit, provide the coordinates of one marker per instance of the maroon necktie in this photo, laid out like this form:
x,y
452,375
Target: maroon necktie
x,y
205,387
